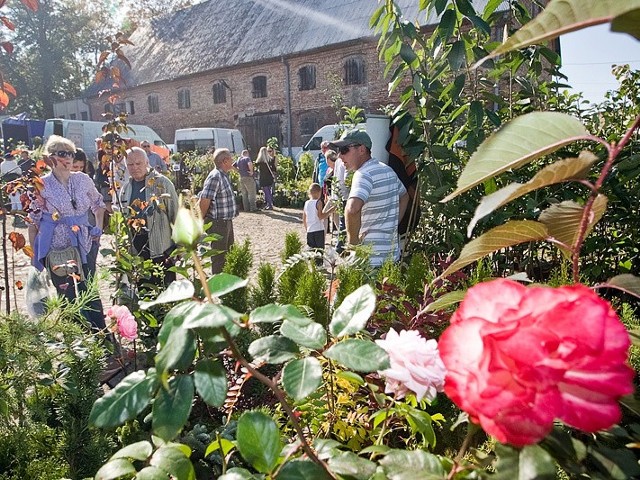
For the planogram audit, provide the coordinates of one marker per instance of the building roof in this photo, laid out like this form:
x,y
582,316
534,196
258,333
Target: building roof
x,y
218,34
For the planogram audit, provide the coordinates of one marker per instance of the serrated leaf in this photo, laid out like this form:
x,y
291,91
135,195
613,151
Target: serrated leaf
x,y
529,463
354,312
626,282
208,315
176,291
273,349
174,462
446,300
274,313
359,355
178,352
171,407
416,464
136,451
259,440
301,378
211,382
563,220
507,235
220,444
352,466
517,143
223,283
311,336
628,22
560,171
124,402
562,17
113,469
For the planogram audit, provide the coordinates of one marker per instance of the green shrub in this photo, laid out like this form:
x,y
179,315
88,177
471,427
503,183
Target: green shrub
x,y
264,291
305,165
417,276
238,262
293,270
310,292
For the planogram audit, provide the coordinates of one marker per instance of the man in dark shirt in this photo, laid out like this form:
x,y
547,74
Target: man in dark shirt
x,y
244,165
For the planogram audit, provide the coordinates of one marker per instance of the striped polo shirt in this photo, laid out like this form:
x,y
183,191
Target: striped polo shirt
x,y
379,188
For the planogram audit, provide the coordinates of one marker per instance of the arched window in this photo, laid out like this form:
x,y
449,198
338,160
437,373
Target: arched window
x,y
184,98
259,84
354,71
153,104
219,93
307,77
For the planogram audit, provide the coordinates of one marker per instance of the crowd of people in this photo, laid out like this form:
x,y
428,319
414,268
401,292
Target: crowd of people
x,y
70,209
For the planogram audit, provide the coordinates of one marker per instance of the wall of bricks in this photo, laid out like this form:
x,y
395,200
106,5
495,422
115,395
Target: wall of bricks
x,y
308,107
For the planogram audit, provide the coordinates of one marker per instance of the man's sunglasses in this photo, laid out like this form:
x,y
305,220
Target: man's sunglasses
x,y
64,153
146,146
346,148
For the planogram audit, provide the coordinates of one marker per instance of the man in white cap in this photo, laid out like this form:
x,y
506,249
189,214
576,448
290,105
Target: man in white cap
x,y
377,199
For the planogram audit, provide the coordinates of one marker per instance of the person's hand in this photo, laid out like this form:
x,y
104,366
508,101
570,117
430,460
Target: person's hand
x,y
96,233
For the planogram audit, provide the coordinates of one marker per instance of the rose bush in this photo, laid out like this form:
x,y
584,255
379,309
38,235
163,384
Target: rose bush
x,y
125,322
517,358
415,365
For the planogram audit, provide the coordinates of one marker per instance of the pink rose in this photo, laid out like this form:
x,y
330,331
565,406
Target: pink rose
x,y
517,358
415,365
126,322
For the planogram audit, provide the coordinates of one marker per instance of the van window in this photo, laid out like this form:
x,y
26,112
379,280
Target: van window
x,y
201,145
314,144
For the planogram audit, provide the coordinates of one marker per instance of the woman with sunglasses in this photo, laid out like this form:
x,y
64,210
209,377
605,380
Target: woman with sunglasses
x,y
60,219
266,163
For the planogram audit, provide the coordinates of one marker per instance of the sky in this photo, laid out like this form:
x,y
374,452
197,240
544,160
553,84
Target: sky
x,y
587,56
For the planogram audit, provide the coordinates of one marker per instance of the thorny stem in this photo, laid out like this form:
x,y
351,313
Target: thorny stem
x,y
614,150
262,378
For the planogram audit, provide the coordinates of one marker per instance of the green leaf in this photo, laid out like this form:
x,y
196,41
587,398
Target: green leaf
x,y
238,474
626,282
211,382
151,473
562,17
517,143
171,407
359,355
416,464
220,444
529,463
457,56
176,291
420,422
628,22
118,468
354,312
173,319
312,335
259,440
274,313
563,220
174,462
208,315
561,171
302,469
273,349
178,352
135,451
301,378
507,235
446,300
352,466
223,283
407,54
124,402
447,25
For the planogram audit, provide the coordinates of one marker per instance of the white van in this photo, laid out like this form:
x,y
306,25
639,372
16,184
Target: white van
x,y
203,139
84,134
377,126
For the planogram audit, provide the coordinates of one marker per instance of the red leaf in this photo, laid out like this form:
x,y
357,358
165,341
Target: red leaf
x,y
7,87
17,240
19,285
8,46
103,56
31,4
2,2
8,23
4,100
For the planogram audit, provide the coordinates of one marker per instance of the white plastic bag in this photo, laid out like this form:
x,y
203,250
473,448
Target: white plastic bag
x,y
38,290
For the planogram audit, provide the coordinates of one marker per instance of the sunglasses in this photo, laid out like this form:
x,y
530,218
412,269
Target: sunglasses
x,y
146,146
346,148
64,153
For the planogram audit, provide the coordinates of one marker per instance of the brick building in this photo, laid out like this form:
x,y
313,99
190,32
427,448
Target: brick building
x,y
267,68
270,68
